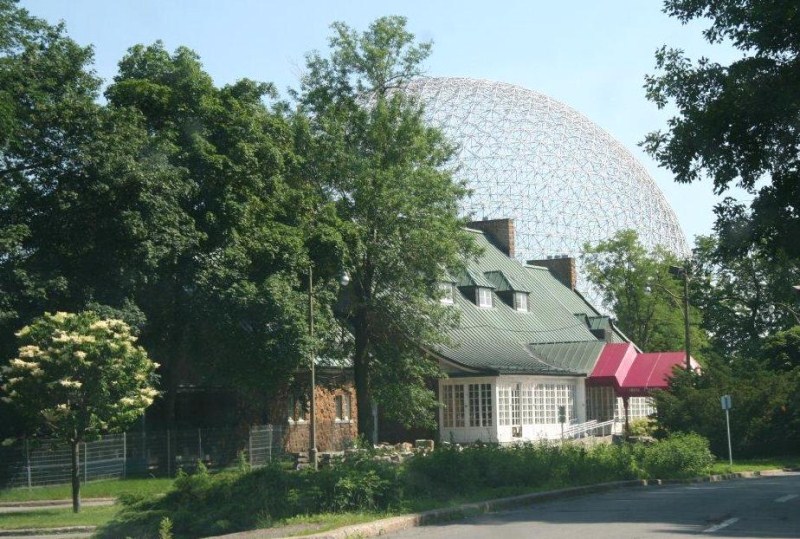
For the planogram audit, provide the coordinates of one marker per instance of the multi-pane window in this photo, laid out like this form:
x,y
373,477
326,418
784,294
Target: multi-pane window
x,y
601,403
480,405
453,400
534,404
343,407
504,405
527,404
484,298
520,301
515,419
638,407
446,291
547,400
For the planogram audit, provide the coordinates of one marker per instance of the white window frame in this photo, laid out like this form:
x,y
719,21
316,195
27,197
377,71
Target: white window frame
x,y
453,398
480,405
343,408
484,297
521,301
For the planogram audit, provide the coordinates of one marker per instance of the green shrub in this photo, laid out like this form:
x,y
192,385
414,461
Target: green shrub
x,y
205,504
680,455
643,426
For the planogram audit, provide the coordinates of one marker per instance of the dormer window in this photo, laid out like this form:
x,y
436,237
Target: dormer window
x,y
484,297
520,301
446,293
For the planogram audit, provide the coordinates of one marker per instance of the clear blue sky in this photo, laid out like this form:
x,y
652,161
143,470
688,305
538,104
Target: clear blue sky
x,y
591,55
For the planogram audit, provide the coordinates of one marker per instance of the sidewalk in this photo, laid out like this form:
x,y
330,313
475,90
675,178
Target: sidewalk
x,y
66,532
21,507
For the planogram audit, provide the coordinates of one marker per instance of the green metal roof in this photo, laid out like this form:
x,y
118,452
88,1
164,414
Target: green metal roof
x,y
504,283
471,277
547,339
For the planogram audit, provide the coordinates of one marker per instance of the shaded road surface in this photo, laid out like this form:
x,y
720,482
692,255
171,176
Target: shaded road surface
x,y
761,507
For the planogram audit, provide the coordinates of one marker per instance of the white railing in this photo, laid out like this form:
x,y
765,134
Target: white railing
x,y
590,428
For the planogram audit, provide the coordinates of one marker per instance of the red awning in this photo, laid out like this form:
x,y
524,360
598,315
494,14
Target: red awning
x,y
613,365
632,373
652,371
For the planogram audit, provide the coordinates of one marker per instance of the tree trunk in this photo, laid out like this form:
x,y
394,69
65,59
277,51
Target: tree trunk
x,y
76,478
361,376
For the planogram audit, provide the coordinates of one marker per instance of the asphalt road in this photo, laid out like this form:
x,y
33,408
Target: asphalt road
x,y
760,507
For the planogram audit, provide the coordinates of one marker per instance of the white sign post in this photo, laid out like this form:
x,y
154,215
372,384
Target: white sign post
x,y
725,400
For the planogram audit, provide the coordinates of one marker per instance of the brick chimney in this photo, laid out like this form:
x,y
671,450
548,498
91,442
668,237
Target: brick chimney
x,y
500,232
562,267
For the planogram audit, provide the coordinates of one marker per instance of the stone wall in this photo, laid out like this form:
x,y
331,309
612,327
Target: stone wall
x,y
332,434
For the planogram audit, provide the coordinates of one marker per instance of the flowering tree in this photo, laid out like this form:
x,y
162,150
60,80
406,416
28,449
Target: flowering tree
x,y
77,376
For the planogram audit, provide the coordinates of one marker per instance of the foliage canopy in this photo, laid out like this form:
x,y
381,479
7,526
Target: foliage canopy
x,y
386,174
737,123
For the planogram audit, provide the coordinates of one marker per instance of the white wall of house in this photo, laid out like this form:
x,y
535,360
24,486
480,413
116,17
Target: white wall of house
x,y
508,408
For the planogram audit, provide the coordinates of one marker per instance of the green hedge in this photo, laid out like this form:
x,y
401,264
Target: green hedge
x,y
202,504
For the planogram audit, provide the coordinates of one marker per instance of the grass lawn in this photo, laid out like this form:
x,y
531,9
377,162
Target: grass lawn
x,y
754,465
111,488
56,518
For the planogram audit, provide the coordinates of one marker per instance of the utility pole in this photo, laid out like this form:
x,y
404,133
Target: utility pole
x,y
687,337
312,451
683,272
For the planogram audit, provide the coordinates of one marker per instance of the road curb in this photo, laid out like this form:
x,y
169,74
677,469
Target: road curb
x,y
396,524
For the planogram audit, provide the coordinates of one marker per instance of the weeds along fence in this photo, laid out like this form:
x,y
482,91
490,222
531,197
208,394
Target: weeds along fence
x,y
138,454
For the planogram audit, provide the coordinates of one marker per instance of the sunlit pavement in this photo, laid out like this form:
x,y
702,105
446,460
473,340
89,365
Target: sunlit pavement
x,y
762,507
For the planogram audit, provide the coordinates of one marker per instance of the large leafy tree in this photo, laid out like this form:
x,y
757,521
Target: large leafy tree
x,y
645,297
47,115
223,295
385,171
737,123
744,296
77,376
167,207
72,186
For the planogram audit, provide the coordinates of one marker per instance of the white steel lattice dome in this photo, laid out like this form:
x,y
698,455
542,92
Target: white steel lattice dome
x,y
562,179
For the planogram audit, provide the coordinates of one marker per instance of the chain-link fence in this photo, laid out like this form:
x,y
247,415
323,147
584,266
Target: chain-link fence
x,y
155,453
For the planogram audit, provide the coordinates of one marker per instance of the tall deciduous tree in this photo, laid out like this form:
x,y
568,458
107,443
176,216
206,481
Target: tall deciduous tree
x,y
737,123
77,376
744,295
47,113
639,289
386,173
223,297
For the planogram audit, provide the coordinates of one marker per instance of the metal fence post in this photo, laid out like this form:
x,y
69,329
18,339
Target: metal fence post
x,y
28,462
124,454
169,459
85,462
269,441
250,445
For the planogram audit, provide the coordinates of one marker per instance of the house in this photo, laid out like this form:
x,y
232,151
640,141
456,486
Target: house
x,y
531,356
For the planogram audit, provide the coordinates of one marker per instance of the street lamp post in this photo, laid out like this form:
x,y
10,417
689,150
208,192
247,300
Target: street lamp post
x,y
684,273
344,279
312,450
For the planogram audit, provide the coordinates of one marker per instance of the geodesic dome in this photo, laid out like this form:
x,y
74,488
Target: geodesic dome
x,y
563,180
